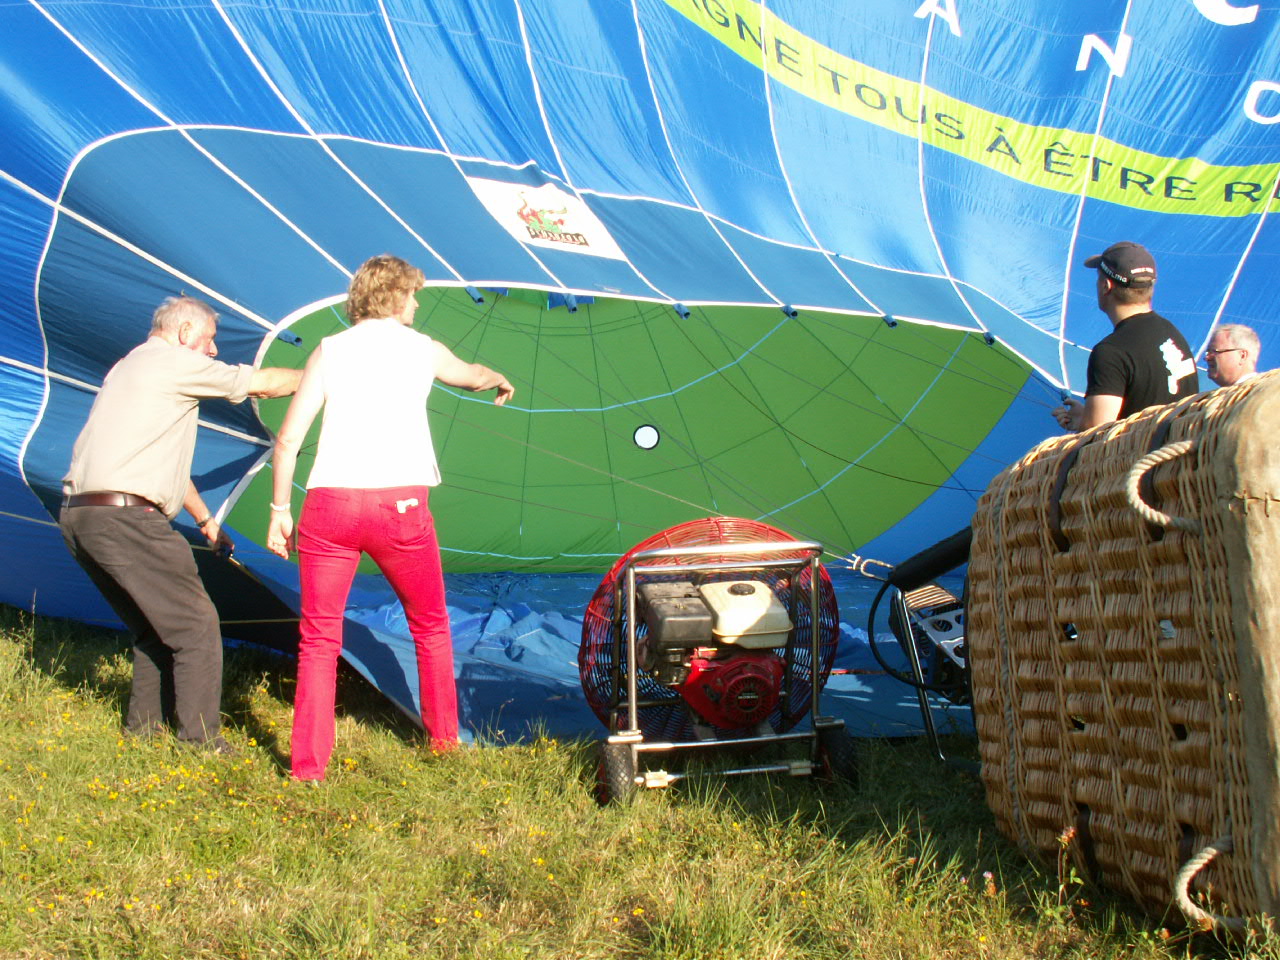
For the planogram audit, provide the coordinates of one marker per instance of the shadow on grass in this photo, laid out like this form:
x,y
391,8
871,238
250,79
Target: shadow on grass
x,y
250,670
75,656
920,810
97,660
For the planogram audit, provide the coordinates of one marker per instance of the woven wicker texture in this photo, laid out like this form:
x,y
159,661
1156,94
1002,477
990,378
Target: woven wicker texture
x,y
1124,690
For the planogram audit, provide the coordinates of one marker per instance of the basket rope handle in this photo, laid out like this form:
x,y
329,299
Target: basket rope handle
x,y
1148,513
1182,888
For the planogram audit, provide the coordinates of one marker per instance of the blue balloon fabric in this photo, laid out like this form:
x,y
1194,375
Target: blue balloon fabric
x,y
939,163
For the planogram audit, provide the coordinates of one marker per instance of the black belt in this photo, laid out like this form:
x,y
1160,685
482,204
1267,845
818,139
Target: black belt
x,y
106,498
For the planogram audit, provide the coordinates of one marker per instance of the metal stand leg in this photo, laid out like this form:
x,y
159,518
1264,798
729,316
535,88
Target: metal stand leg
x,y
917,672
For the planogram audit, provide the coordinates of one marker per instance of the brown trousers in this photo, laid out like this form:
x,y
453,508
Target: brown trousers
x,y
145,570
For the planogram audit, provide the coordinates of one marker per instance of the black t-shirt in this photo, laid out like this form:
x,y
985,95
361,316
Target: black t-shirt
x,y
1144,360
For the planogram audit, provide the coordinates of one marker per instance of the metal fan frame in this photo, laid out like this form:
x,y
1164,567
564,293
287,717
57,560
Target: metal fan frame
x,y
755,557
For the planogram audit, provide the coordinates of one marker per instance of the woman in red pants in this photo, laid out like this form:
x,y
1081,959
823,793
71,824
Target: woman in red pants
x,y
367,493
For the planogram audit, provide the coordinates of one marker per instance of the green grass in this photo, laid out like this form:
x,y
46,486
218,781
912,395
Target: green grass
x,y
148,849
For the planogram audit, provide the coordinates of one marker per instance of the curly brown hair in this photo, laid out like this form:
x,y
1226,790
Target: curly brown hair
x,y
380,287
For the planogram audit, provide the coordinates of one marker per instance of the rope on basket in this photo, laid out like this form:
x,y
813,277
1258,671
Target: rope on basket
x,y
1182,888
1149,514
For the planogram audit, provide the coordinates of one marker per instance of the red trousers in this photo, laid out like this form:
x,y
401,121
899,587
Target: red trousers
x,y
393,526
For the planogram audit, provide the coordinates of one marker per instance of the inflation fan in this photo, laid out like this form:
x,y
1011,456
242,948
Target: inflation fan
x,y
709,636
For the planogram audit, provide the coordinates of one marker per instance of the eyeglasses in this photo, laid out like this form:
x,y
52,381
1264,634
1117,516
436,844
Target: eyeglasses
x,y
1214,353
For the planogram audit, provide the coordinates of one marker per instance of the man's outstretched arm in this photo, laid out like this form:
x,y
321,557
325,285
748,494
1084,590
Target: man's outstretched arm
x,y
274,382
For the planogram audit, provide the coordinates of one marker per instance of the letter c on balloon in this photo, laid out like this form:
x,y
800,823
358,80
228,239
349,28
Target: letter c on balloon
x,y
1220,11
1224,13
1256,89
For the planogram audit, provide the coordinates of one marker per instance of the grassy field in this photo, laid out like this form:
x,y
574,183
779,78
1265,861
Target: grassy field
x,y
148,849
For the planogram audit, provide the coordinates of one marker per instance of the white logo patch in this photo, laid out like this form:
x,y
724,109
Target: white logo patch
x,y
1176,363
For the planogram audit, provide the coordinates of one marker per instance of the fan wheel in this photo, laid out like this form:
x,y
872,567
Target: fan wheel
x,y
837,756
616,774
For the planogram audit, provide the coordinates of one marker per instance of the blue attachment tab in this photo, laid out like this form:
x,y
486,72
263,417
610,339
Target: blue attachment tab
x,y
289,337
681,310
566,300
989,338
789,310
889,321
474,294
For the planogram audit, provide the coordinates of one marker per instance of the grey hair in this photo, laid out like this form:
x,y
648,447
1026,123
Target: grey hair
x,y
175,311
1241,337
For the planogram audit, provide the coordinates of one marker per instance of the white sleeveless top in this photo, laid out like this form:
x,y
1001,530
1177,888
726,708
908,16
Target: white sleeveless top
x,y
376,377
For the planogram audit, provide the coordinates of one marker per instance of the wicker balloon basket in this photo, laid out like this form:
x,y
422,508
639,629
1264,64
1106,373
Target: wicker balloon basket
x,y
1124,641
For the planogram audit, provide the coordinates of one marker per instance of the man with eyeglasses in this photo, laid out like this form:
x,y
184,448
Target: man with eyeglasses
x,y
1145,361
1232,354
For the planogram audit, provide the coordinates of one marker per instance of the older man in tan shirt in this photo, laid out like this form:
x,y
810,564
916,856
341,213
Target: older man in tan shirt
x,y
130,475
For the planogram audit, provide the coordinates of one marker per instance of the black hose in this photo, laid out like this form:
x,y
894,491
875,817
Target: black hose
x,y
932,562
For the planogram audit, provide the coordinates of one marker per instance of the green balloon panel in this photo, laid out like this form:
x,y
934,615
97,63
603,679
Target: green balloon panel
x,y
831,427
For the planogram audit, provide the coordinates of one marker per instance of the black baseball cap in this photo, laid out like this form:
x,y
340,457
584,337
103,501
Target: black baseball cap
x,y
1128,264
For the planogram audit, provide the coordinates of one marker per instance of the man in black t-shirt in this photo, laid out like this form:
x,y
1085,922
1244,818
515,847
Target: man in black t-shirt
x,y
1144,361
